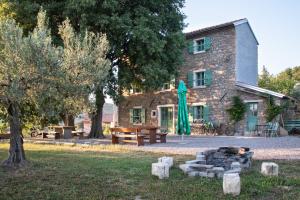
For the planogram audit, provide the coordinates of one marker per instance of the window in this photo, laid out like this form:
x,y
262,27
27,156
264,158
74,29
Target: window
x,y
137,117
198,113
199,79
135,90
166,86
153,114
199,45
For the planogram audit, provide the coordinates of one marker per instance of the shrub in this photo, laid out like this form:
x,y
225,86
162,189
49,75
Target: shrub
x,y
237,110
273,110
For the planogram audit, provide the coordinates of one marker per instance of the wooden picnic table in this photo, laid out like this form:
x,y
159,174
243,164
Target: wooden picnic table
x,y
152,131
151,134
65,131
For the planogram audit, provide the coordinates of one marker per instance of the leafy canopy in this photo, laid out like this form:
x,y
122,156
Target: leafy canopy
x,y
146,39
283,82
42,79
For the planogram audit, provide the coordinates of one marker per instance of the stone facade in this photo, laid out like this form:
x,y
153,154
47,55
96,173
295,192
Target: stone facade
x,y
220,59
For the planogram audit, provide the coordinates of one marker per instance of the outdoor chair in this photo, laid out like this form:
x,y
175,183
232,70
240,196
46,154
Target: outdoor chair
x,y
272,129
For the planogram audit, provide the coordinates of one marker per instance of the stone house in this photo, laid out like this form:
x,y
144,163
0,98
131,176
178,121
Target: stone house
x,y
220,62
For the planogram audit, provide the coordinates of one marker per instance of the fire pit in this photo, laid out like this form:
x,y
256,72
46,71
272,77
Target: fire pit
x,y
216,162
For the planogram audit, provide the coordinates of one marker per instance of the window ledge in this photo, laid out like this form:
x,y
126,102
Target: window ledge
x,y
140,124
199,87
197,52
169,90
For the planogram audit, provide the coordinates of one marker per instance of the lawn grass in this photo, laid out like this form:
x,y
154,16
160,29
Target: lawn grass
x,y
73,172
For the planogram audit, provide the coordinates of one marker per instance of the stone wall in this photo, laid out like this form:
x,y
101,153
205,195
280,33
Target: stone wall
x,y
220,59
149,101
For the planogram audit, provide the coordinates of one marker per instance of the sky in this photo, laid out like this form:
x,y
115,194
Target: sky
x,y
276,24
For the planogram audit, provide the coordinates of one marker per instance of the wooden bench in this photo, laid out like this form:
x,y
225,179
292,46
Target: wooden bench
x,y
78,133
161,137
129,135
56,135
291,124
4,136
152,134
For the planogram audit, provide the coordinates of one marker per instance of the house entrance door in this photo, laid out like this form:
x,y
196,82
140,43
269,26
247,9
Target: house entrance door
x,y
166,119
252,111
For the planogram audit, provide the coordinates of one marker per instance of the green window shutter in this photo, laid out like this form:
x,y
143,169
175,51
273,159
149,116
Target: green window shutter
x,y
191,113
190,78
208,77
143,116
191,47
206,113
207,43
131,116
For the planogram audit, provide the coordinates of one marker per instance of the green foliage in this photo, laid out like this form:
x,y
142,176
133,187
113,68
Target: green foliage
x,y
3,126
26,63
146,39
284,82
43,80
106,130
273,110
237,110
296,91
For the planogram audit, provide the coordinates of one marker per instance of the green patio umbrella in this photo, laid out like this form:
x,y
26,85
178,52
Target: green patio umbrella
x,y
183,125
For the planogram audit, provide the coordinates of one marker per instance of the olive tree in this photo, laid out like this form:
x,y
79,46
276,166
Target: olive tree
x,y
33,70
26,69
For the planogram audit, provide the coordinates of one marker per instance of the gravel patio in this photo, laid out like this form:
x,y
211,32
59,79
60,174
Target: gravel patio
x,y
264,148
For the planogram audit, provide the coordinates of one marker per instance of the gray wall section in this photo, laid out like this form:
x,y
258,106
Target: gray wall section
x,y
246,55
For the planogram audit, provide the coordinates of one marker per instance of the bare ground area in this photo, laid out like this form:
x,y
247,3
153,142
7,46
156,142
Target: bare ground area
x,y
287,148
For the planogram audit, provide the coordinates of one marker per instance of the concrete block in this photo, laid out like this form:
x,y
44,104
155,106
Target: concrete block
x,y
186,168
161,170
167,160
211,174
200,157
231,184
193,174
203,174
235,165
219,171
269,169
200,166
202,162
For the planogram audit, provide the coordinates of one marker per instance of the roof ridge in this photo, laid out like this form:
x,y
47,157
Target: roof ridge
x,y
215,26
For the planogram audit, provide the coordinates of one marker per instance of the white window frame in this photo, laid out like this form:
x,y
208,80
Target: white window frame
x,y
171,86
195,45
152,112
137,107
194,78
132,92
253,101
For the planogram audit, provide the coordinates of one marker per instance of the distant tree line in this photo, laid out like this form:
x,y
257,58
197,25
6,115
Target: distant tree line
x,y
285,82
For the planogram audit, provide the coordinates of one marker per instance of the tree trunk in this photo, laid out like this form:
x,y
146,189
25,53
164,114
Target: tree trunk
x,y
68,120
16,150
96,129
